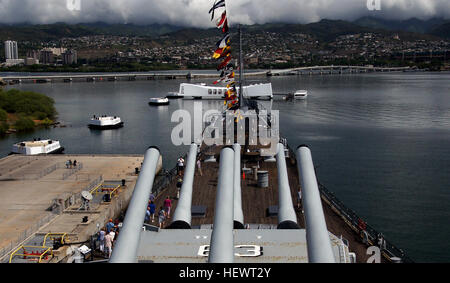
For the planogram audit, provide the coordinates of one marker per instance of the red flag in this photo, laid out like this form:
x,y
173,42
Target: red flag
x,y
225,26
224,63
222,19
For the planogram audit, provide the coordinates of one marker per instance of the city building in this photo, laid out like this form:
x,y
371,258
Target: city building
x,y
33,54
58,51
69,57
31,61
11,50
46,57
13,62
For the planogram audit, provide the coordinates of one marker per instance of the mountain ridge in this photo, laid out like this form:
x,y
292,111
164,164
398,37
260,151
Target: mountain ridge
x,y
326,30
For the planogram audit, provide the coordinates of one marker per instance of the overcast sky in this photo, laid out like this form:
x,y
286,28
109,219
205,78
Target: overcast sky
x,y
195,12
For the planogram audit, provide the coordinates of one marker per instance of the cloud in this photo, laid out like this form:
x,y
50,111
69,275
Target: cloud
x,y
195,12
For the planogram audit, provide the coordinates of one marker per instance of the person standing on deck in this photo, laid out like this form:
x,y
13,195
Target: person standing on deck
x,y
161,217
179,185
299,198
180,165
152,208
167,206
109,238
147,215
199,167
152,197
101,239
109,226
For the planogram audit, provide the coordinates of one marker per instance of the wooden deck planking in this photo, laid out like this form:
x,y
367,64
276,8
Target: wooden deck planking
x,y
255,200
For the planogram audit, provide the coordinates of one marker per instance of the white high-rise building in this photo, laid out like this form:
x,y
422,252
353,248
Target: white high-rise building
x,y
11,50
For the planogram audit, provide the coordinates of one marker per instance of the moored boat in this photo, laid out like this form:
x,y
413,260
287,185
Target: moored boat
x,y
37,147
159,101
301,94
105,122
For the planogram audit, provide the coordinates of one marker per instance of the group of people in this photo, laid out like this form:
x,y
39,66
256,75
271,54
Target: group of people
x,y
163,212
180,166
107,237
70,164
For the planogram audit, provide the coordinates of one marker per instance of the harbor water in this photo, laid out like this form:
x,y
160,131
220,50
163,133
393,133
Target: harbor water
x,y
380,142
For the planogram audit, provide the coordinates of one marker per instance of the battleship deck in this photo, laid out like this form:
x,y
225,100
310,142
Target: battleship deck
x,y
256,201
29,186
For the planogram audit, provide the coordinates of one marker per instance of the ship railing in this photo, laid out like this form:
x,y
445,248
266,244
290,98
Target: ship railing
x,y
94,183
72,171
164,179
35,175
357,224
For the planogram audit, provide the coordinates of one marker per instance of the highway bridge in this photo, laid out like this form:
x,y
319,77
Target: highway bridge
x,y
92,77
335,69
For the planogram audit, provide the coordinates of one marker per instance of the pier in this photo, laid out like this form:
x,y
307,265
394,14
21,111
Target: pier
x,y
40,198
112,77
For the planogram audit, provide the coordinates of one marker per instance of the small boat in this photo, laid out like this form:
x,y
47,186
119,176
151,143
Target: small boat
x,y
105,122
174,95
159,101
37,147
301,94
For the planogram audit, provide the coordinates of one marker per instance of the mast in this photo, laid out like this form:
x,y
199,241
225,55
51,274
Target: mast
x,y
241,68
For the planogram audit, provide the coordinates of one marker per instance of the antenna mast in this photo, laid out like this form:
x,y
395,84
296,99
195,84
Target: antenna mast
x,y
241,69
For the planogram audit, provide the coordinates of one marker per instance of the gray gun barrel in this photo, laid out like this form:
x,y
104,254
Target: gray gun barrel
x,y
183,214
238,213
287,219
317,236
125,250
222,243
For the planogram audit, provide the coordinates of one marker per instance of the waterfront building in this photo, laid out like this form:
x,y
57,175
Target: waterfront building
x,y
69,57
13,62
46,57
11,50
31,61
33,54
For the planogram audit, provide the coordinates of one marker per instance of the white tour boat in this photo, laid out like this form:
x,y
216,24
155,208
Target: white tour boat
x,y
301,94
202,91
37,147
105,122
159,101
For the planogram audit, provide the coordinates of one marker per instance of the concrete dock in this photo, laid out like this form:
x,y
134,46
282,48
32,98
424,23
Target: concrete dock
x,y
40,195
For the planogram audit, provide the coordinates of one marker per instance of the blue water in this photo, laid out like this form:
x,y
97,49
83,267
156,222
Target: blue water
x,y
381,142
